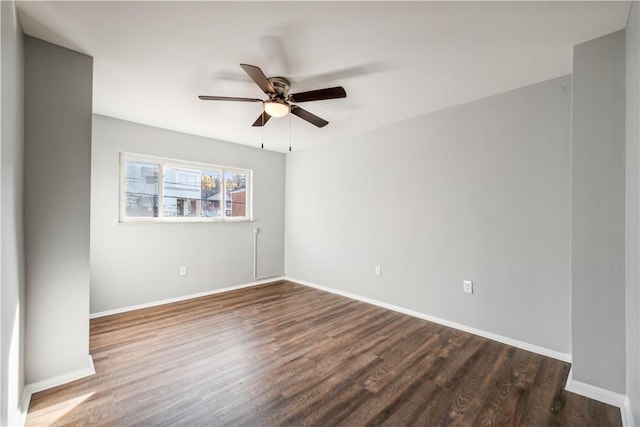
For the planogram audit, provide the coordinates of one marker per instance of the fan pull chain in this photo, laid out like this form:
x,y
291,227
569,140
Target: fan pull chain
x,y
262,130
289,132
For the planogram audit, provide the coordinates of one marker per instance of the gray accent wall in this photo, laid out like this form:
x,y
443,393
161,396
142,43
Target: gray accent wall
x,y
476,192
598,213
11,226
138,263
632,230
57,171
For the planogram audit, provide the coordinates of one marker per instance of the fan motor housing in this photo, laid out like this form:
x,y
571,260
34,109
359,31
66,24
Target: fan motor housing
x,y
281,85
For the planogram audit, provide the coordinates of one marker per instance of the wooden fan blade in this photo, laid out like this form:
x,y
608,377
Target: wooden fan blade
x,y
261,120
311,118
228,98
318,95
258,76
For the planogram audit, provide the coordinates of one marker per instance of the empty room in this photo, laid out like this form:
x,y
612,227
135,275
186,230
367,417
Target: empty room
x,y
320,213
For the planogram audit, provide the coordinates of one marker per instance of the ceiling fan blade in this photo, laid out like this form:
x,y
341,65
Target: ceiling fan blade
x,y
318,95
311,118
228,98
261,120
258,76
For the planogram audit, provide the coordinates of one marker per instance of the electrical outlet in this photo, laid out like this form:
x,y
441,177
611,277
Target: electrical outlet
x,y
183,270
467,286
376,271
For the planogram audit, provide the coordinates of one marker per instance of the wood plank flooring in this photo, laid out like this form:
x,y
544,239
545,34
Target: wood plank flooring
x,y
287,354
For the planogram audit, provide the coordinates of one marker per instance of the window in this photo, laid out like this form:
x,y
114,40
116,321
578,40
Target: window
x,y
155,189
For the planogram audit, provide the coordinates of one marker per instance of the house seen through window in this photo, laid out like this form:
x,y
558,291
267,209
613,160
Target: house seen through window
x,y
161,189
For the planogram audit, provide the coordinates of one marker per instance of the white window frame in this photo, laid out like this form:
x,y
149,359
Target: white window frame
x,y
165,162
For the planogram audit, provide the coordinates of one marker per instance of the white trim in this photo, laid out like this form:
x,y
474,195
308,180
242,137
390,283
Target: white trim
x,y
565,357
593,392
183,298
61,379
19,417
602,395
627,414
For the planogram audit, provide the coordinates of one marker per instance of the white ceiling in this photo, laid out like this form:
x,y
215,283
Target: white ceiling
x,y
395,59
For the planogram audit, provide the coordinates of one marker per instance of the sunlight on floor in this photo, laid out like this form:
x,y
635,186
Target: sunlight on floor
x,y
55,412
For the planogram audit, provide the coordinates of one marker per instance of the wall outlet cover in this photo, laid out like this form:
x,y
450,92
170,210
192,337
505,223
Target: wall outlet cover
x,y
467,286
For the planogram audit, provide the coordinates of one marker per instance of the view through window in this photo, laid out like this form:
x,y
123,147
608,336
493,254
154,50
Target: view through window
x,y
161,189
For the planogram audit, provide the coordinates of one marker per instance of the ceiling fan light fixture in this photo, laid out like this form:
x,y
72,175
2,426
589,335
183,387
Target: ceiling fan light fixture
x,y
277,88
276,108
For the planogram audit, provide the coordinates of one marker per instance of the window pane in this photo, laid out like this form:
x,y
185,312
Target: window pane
x,y
162,188
140,189
211,194
181,192
236,194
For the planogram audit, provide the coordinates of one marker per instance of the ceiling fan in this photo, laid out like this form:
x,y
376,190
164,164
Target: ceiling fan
x,y
280,101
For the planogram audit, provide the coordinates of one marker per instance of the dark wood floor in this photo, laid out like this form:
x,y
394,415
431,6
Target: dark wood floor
x,y
286,354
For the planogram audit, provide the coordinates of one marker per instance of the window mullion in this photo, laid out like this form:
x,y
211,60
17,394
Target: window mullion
x,y
224,194
160,190
123,193
199,199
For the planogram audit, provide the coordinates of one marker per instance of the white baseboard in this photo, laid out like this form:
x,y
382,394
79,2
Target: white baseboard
x,y
593,392
61,379
565,357
627,414
30,389
183,298
19,417
602,395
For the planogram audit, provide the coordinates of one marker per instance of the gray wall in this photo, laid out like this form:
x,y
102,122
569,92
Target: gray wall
x,y
58,96
138,263
477,192
633,210
597,213
12,248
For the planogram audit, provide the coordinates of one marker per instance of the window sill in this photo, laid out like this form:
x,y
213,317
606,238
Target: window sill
x,y
182,221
